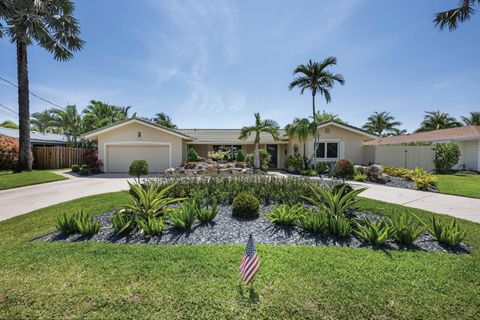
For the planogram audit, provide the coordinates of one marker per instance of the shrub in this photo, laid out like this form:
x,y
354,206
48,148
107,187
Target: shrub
x,y
338,188
404,229
90,158
422,179
84,171
218,155
309,172
344,169
184,215
138,168
205,215
321,167
359,176
152,226
339,226
373,232
8,153
245,206
295,161
192,155
286,215
75,168
334,203
314,221
66,223
85,224
121,223
447,233
447,155
265,158
240,156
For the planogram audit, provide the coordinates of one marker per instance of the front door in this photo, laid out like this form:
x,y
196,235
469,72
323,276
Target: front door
x,y
272,150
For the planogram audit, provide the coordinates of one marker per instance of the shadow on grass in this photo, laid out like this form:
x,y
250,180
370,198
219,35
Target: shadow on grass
x,y
248,294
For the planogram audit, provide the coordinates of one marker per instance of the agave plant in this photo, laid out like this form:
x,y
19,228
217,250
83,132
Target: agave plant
x,y
339,226
152,226
314,221
66,223
205,215
85,224
184,215
373,232
446,233
286,215
334,203
404,229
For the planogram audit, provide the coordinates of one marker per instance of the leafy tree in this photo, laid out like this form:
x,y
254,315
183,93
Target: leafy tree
x,y
435,120
447,155
52,26
301,129
327,116
67,121
9,124
268,126
99,114
452,17
42,121
381,123
473,119
164,120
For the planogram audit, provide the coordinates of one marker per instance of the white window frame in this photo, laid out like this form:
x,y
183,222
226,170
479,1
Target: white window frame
x,y
328,141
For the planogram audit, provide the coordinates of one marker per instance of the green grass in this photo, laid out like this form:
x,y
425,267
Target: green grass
x,y
462,185
10,180
100,280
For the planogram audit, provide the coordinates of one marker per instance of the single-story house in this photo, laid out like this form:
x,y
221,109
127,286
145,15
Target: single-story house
x,y
467,138
37,138
137,139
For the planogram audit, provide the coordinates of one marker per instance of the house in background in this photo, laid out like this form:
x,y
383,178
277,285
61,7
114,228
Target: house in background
x,y
136,139
37,139
467,138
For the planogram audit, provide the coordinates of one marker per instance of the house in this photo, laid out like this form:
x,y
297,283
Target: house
x,y
136,139
467,138
37,138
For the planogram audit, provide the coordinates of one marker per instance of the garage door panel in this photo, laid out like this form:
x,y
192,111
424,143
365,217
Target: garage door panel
x,y
119,157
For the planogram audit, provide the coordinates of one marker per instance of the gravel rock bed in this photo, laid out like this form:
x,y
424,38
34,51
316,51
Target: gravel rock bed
x,y
399,182
228,230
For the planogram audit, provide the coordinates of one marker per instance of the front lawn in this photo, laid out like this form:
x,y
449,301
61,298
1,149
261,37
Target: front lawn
x,y
467,185
9,179
101,280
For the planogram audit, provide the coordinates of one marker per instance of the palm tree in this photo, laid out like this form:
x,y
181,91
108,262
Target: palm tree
x,y
9,124
268,126
301,129
42,121
327,116
68,122
52,26
435,120
452,17
381,123
98,114
316,77
473,119
164,120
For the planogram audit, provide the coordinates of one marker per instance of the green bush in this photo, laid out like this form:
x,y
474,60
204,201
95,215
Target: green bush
x,y
447,233
321,167
339,226
184,215
344,169
447,155
286,215
121,223
295,161
84,171
66,223
75,168
314,221
205,215
334,203
342,187
138,168
152,226
358,176
422,179
240,157
375,233
245,206
85,224
265,158
404,229
192,155
309,172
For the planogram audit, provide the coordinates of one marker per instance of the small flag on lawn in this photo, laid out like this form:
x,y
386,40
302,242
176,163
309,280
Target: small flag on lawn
x,y
250,262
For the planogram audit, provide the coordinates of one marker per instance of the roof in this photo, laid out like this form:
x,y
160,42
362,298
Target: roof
x,y
452,134
347,127
221,136
36,137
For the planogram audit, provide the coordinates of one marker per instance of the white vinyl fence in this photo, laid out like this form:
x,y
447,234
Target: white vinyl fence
x,y
409,157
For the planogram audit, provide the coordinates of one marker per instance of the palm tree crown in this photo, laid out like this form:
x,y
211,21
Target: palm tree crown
x,y
473,119
98,114
68,121
42,121
452,17
382,123
301,129
164,120
435,120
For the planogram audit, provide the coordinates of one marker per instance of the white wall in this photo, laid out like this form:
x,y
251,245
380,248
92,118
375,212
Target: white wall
x,y
470,155
409,157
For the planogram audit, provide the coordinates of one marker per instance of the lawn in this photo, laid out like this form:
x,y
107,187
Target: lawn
x,y
100,280
10,180
462,185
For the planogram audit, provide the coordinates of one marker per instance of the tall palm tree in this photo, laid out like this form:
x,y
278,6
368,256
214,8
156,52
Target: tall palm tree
x,y
52,26
98,114
316,77
381,123
164,120
473,119
301,129
452,17
42,121
68,122
268,126
435,120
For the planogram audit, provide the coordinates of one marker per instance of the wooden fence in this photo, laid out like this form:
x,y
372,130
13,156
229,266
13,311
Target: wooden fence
x,y
56,157
409,157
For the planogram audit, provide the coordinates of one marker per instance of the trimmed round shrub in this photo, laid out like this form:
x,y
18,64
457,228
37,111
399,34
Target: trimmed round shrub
x,y
75,168
245,206
138,168
344,169
84,171
240,155
192,155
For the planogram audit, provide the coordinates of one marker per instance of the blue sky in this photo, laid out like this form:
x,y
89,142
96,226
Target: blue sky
x,y
213,63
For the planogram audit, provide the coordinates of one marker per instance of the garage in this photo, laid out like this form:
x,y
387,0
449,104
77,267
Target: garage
x,y
120,156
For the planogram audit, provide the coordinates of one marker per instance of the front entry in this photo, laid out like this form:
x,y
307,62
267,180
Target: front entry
x,y
272,149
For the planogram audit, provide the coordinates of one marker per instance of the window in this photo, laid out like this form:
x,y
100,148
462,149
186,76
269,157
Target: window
x,y
327,150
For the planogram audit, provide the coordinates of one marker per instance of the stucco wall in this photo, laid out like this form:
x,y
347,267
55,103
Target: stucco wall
x,y
470,155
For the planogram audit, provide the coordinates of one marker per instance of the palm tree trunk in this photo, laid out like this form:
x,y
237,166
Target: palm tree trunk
x,y
305,155
256,156
24,154
315,134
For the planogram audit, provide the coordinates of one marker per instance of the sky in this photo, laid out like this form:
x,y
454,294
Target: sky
x,y
213,63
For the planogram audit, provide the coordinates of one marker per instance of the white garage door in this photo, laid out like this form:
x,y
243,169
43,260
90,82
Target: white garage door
x,y
119,157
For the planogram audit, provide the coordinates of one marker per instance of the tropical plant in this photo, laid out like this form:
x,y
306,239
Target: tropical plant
x,y
268,126
339,226
449,234
90,158
404,229
422,179
344,169
121,223
327,116
164,120
381,124
75,168
245,206
240,156
376,232
52,26
85,224
67,121
452,17
184,215
66,223
447,155
334,203
435,120
265,158
301,129
205,215
315,77
138,168
192,155
359,176
9,124
42,122
152,226
473,119
314,221
99,114
295,161
309,172
286,215
84,171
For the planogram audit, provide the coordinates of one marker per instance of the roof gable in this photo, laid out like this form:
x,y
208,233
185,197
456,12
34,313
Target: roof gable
x,y
347,127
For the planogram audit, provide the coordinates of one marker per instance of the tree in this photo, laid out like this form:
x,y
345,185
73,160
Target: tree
x,y
327,116
452,17
268,126
9,124
52,26
42,122
99,114
473,119
382,124
301,129
164,120
68,122
435,120
316,77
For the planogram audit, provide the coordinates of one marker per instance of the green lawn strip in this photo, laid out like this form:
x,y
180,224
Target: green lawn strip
x,y
101,280
461,185
10,180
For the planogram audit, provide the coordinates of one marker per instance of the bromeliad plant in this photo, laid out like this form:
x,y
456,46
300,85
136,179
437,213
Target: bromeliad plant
x,y
333,202
184,215
339,226
286,215
152,226
375,233
405,229
66,223
207,214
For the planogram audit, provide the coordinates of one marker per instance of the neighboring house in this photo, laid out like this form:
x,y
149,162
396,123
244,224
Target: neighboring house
x,y
37,138
135,139
468,139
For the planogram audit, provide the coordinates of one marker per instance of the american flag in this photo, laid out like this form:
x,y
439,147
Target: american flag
x,y
250,262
